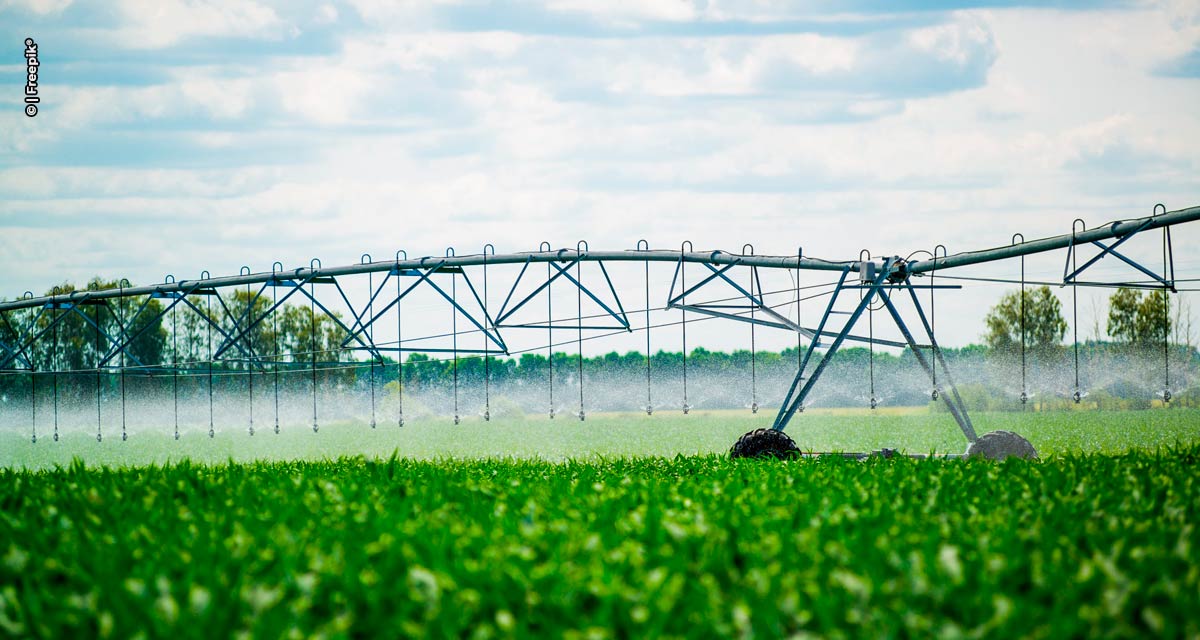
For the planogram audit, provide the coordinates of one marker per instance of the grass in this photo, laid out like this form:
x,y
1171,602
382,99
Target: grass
x,y
557,529
612,434
703,546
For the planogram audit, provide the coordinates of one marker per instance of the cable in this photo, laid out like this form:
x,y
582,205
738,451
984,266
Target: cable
x,y
371,337
208,312
550,332
99,422
579,325
871,352
649,401
399,356
33,396
275,341
683,301
753,346
1024,386
175,368
54,367
1077,395
250,367
454,326
124,435
312,322
933,393
1166,315
487,371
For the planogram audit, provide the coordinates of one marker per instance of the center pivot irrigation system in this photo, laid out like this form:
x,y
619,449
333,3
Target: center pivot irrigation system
x,y
730,288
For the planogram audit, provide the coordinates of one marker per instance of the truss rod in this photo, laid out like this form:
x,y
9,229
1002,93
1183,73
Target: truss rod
x,y
1111,230
1116,229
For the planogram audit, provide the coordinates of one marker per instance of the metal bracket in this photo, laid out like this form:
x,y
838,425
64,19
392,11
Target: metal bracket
x,y
1167,279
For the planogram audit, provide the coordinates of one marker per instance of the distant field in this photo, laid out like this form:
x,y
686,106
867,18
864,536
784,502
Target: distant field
x,y
1074,546
612,434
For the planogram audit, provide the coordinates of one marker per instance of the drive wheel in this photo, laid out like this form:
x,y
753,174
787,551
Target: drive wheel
x,y
998,445
762,443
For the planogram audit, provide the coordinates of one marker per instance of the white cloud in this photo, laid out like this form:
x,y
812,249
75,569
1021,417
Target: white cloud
x,y
38,7
956,41
154,24
421,138
628,11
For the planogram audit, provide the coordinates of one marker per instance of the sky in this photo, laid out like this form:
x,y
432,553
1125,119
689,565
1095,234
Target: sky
x,y
177,136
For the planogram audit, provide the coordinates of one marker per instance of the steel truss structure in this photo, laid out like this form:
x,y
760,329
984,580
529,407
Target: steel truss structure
x,y
463,286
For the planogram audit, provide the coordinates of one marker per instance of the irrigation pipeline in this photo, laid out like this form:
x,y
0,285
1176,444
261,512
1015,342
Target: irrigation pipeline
x,y
1109,230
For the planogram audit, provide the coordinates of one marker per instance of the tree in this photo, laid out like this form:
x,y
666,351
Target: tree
x,y
1044,326
1139,320
75,335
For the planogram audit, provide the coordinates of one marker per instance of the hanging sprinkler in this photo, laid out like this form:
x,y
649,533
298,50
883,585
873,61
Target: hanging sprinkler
x,y
1168,272
643,245
866,274
276,268
454,329
581,248
1076,226
934,393
487,371
245,271
367,259
313,266
748,249
683,323
399,345
544,247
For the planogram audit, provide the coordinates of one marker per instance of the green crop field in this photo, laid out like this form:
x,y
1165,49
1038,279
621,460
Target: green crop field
x,y
912,429
1098,539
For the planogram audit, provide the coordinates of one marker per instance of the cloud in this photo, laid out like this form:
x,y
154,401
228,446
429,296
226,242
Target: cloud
x,y
154,24
37,7
330,128
1185,66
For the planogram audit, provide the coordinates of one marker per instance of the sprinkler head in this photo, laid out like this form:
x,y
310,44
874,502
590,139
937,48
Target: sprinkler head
x,y
1166,395
276,428
753,407
315,427
124,436
552,412
649,410
1024,397
581,415
456,418
487,416
35,438
372,424
251,430
933,395
99,438
400,421
56,436
176,435
211,433
1077,397
874,403
686,408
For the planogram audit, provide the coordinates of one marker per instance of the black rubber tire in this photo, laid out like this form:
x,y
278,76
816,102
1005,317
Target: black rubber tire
x,y
763,443
998,445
